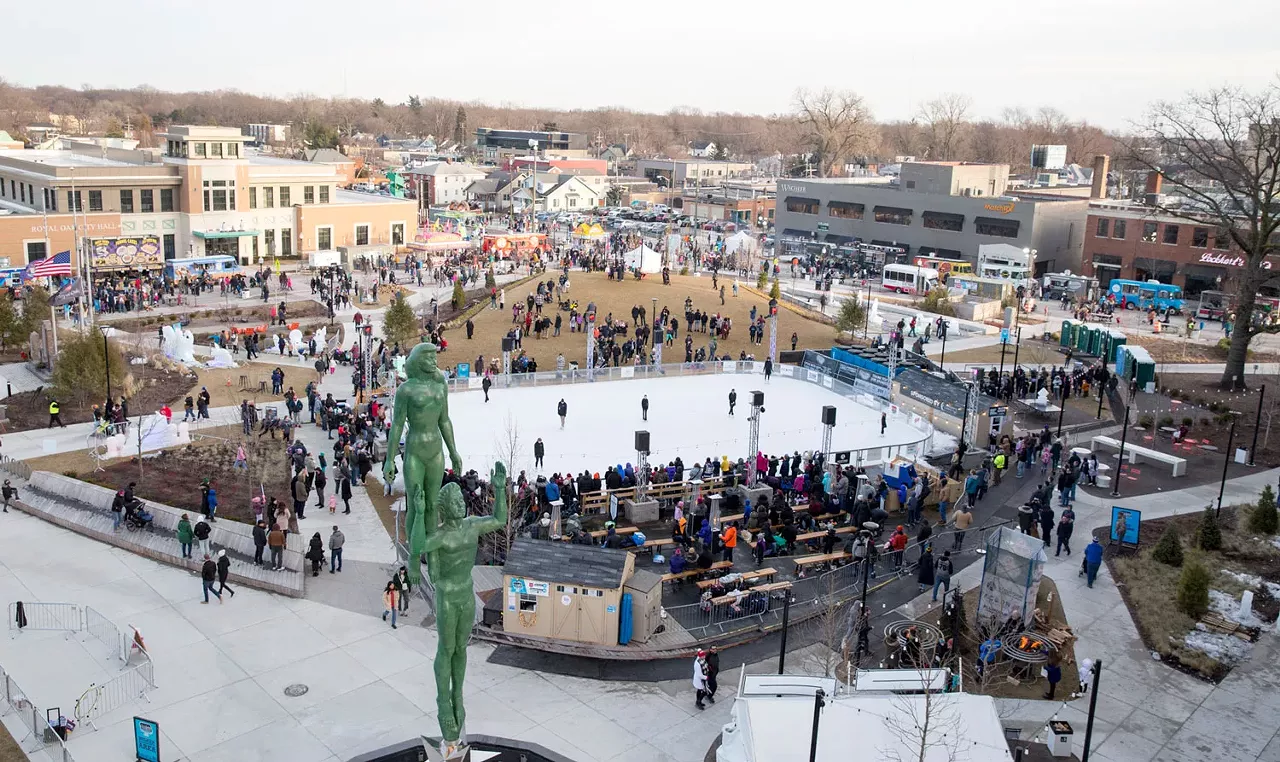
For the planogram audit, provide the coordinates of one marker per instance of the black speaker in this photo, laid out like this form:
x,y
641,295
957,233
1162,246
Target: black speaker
x,y
642,441
828,415
508,344
757,399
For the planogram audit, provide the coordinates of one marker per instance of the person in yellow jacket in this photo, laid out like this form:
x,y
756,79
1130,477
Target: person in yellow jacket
x,y
55,416
999,463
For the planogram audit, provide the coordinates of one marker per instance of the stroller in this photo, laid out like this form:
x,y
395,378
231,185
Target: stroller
x,y
136,516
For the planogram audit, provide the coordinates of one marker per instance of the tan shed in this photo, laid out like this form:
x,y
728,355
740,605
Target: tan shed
x,y
565,591
645,589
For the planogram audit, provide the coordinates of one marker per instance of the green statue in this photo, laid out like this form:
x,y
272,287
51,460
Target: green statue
x,y
451,550
423,402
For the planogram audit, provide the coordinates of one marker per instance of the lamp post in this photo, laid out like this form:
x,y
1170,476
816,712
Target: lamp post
x,y
1222,484
533,184
106,356
866,319
1124,437
819,701
1093,703
1257,422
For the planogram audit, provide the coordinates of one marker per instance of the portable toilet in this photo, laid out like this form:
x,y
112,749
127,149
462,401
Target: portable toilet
x,y
625,620
1118,340
1141,366
1122,360
1104,345
1064,338
1082,338
1095,341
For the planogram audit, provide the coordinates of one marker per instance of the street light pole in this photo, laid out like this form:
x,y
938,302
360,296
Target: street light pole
x,y
1222,484
819,701
106,355
1257,422
786,620
1093,697
1124,437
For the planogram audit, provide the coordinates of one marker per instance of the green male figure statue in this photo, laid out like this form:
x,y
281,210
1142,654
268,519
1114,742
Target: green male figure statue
x,y
423,402
451,549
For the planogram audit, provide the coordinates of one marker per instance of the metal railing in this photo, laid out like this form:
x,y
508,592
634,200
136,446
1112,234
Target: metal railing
x,y
60,617
40,732
101,628
121,690
15,467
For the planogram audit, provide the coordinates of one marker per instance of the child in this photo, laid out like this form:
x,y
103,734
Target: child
x,y
333,504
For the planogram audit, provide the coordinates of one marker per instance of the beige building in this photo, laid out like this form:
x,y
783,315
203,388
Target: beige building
x,y
563,591
204,194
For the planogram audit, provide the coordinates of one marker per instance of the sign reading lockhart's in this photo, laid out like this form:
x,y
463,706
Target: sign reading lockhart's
x,y
126,253
1228,260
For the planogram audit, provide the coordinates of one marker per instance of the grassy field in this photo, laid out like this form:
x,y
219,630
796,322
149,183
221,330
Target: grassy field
x,y
611,296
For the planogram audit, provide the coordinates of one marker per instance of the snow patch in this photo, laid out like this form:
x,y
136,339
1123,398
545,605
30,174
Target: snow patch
x,y
1229,608
943,444
1227,649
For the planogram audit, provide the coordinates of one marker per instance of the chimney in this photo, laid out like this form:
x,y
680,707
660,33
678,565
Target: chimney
x,y
1154,182
1101,166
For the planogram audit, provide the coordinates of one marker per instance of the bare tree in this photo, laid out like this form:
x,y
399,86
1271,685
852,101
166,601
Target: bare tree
x,y
507,445
945,121
924,723
1220,152
837,126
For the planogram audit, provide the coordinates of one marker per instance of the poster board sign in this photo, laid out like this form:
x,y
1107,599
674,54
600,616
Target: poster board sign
x,y
522,586
126,253
1126,525
146,740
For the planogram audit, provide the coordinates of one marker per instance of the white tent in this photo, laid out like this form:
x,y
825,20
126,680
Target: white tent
x,y
648,260
739,240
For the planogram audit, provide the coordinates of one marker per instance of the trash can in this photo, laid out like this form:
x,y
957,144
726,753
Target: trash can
x,y
1060,734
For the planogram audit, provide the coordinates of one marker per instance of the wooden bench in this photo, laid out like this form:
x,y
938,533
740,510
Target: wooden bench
x,y
703,584
804,562
691,573
600,534
654,545
1136,453
807,536
768,588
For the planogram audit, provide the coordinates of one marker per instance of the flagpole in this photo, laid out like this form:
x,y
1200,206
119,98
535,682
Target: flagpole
x,y
48,251
85,291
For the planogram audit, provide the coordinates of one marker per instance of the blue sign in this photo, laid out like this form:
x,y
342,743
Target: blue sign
x,y
1125,525
146,740
1004,335
464,370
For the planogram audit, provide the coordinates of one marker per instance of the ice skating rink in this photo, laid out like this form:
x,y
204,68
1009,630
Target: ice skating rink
x,y
688,416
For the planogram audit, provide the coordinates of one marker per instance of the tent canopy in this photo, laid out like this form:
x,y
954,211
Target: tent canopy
x,y
645,258
739,240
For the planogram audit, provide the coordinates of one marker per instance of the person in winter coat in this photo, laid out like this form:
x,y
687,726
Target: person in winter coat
x,y
185,535
1026,518
275,541
319,483
943,568
208,575
315,554
259,540
700,679
539,452
403,587
390,601
644,407
301,489
898,544
562,410
8,492
1046,523
202,531
1092,561
344,484
704,534
485,385
224,569
336,541
1066,524
924,575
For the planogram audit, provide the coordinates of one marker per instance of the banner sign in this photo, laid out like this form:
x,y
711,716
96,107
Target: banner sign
x,y
126,253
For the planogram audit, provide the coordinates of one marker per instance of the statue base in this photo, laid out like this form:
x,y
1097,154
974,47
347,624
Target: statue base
x,y
640,511
442,753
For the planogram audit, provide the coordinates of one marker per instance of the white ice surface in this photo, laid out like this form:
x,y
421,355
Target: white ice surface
x,y
688,416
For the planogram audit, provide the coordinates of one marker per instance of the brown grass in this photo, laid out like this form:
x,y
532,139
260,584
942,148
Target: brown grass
x,y
611,296
10,751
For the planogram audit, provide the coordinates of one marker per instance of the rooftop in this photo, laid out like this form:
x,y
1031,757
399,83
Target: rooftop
x,y
562,562
356,197
63,159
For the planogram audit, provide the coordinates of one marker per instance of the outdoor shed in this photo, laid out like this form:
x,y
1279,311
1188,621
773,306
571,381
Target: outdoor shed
x,y
645,589
565,591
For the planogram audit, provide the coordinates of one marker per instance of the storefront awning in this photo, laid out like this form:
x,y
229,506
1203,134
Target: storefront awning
x,y
799,235
210,234
838,239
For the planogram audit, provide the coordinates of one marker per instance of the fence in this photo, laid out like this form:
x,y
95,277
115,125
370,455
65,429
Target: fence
x,y
61,617
121,690
15,467
811,595
39,730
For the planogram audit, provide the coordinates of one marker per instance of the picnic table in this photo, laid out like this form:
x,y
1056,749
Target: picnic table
x,y
735,596
703,584
691,573
804,562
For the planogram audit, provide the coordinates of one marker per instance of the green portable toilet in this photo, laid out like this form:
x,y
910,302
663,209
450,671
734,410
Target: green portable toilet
x,y
1141,366
1118,340
1064,338
1104,344
1095,341
1082,338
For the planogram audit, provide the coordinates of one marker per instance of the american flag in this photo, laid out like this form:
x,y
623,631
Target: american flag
x,y
58,264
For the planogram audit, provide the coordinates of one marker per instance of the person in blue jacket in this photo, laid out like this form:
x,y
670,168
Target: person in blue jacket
x,y
1092,561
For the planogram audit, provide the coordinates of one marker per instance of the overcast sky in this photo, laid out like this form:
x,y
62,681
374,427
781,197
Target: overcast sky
x,y
1100,60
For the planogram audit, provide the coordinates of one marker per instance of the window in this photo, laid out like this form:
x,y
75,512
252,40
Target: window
x,y
1222,240
286,242
2,187
215,149
126,202
802,205
324,239
309,194
911,185
943,221
95,201
1200,238
324,194
22,192
1149,231
845,211
146,200
528,602
231,195
1119,229
73,201
595,593
170,246
199,149
13,189
36,250
271,242
284,195
362,235
253,198
892,215
269,197
206,196
1170,235
1001,228
1104,225
233,150
166,199
397,234
219,200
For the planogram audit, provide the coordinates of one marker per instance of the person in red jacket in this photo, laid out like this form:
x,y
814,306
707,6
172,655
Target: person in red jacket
x,y
729,540
897,543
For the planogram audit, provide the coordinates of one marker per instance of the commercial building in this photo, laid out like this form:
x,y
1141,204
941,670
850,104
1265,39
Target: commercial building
x,y
681,173
495,145
947,209
203,194
442,182
268,133
755,212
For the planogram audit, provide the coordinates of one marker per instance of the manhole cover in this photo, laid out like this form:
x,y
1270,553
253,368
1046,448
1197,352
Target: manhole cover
x,y
295,690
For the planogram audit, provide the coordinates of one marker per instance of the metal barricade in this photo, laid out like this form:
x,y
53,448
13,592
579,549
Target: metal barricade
x,y
123,689
66,617
101,628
